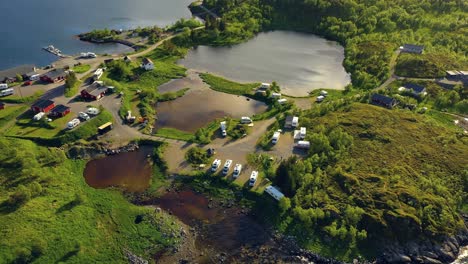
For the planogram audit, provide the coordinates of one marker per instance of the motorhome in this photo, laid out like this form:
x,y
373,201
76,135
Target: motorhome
x,y
265,86
92,111
275,193
323,93
320,98
295,122
3,86
35,77
275,137
303,145
74,123
276,95
223,128
246,120
97,74
303,132
282,101
253,178
38,116
237,171
215,165
6,92
227,167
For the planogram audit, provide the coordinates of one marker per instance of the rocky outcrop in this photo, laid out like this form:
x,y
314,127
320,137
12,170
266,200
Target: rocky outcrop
x,y
426,251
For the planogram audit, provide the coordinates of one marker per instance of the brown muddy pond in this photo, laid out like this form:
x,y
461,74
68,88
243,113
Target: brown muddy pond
x,y
221,230
130,171
198,107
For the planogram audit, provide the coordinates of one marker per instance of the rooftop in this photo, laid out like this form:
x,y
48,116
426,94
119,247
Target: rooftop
x,y
60,108
413,47
43,103
147,61
383,99
416,88
95,89
55,73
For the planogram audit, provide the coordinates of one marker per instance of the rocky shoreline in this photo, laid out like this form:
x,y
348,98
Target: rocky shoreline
x,y
427,252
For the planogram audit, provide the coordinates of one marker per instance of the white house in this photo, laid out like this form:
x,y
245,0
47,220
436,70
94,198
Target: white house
x,y
147,64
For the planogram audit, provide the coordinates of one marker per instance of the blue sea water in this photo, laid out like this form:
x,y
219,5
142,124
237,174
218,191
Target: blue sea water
x,y
29,25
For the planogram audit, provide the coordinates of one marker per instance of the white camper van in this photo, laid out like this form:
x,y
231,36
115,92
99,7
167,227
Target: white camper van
x,y
275,137
6,92
246,120
253,178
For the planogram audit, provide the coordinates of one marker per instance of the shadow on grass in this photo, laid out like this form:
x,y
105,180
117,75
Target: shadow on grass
x,y
67,256
67,207
7,208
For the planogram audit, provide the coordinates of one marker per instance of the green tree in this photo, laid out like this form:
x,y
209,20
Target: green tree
x,y
19,78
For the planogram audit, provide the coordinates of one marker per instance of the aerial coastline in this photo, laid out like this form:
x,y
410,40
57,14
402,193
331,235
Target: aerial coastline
x,y
190,165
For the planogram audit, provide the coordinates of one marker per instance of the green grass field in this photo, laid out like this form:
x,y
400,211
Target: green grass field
x,y
173,133
66,220
81,68
226,86
9,113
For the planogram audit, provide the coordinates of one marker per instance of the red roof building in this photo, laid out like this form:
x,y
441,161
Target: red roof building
x,y
42,106
54,76
59,111
94,92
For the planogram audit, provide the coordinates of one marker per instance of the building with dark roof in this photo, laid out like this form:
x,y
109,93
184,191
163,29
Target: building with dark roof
x,y
411,48
59,111
382,100
288,121
147,64
43,106
10,74
94,91
54,76
415,89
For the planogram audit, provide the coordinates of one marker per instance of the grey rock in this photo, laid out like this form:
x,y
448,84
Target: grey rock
x,y
431,261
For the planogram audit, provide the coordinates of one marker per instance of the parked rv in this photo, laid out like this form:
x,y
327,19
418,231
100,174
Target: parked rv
x,y
34,77
237,171
282,101
92,111
275,137
38,116
97,74
265,86
223,128
323,93
246,120
6,92
253,178
74,123
303,133
295,121
83,116
276,95
3,86
215,165
303,144
320,98
227,167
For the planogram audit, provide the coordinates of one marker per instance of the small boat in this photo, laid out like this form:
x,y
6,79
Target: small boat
x,y
53,50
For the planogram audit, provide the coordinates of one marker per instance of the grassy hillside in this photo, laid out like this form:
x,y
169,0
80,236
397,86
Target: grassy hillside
x,y
374,177
48,214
